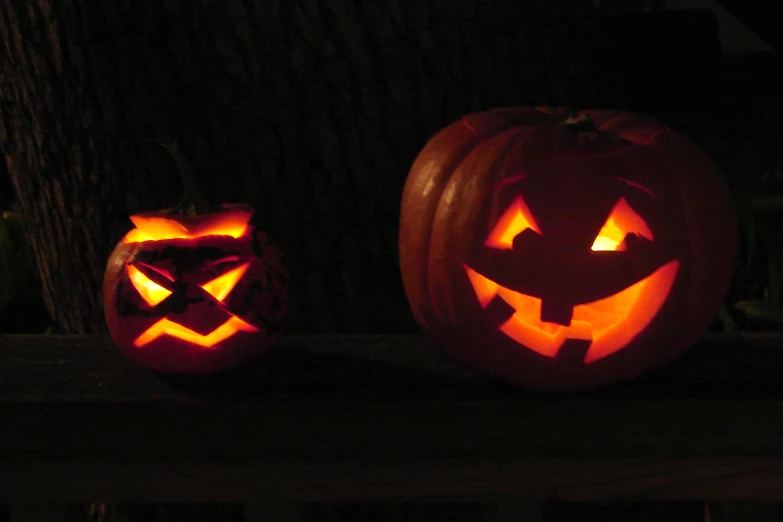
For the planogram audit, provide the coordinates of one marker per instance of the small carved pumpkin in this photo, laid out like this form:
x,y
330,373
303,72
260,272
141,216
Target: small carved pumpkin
x,y
564,252
195,293
194,289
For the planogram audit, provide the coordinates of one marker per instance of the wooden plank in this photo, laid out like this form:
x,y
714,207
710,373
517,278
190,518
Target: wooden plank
x,y
88,368
62,369
377,418
391,480
277,512
575,427
741,511
728,357
37,512
60,400
514,511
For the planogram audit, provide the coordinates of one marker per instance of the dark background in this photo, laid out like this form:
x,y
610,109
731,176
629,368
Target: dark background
x,y
313,112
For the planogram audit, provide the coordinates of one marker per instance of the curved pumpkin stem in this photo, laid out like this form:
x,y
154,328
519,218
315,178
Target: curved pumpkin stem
x,y
193,201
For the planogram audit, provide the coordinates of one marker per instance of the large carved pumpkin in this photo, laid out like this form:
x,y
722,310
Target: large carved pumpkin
x,y
562,251
195,293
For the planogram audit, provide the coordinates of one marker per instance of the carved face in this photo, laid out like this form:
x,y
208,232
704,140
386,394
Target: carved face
x,y
596,311
195,295
564,252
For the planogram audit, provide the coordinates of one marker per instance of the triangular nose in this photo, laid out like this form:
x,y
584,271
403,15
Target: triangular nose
x,y
556,311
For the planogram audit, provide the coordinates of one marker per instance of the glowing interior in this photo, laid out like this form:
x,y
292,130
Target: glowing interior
x,y
622,220
148,289
221,333
221,286
516,219
609,323
157,228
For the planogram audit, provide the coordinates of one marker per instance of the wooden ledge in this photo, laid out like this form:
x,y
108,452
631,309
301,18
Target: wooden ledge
x,y
380,418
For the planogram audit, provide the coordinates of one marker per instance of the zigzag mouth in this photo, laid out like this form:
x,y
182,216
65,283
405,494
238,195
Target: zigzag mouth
x,y
219,334
609,323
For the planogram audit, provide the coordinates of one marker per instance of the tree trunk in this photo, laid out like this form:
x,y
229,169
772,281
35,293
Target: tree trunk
x,y
57,131
310,111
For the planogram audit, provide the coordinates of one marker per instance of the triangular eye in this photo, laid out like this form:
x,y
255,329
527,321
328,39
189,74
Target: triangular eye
x,y
221,286
516,219
623,220
148,289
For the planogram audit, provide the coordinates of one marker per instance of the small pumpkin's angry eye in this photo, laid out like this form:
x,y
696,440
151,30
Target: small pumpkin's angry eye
x,y
623,220
515,220
148,289
221,286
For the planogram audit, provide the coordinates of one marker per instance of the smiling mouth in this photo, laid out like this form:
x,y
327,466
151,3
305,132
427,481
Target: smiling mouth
x,y
221,333
609,323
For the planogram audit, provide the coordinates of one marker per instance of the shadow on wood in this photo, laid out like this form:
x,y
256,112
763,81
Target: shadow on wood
x,y
741,511
514,511
37,512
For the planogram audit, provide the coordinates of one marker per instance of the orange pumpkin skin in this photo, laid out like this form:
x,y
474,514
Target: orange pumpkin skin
x,y
559,257
195,294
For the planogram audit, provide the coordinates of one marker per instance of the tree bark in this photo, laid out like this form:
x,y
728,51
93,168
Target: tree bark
x,y
310,111
57,146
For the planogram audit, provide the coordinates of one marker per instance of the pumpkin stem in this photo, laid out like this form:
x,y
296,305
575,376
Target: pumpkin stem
x,y
580,123
193,202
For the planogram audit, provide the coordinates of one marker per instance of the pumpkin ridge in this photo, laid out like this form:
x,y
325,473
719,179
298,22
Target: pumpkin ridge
x,y
492,171
452,168
449,169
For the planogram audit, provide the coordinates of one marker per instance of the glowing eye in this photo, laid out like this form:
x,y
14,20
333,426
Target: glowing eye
x,y
516,219
221,286
622,221
609,238
148,289
605,243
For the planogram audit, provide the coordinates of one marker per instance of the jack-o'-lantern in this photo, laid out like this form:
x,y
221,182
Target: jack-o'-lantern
x,y
195,290
564,251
